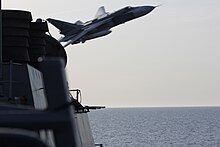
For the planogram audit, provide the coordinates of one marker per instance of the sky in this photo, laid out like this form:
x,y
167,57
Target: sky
x,y
168,58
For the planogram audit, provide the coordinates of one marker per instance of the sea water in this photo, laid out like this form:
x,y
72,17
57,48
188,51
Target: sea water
x,y
156,127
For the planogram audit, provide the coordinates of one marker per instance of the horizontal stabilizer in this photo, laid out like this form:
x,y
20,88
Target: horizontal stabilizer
x,y
65,27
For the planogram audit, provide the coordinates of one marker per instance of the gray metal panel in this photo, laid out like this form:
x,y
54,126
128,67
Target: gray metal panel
x,y
84,130
15,82
37,88
57,95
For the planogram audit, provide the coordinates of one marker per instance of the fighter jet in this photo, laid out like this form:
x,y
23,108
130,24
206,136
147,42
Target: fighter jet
x,y
100,26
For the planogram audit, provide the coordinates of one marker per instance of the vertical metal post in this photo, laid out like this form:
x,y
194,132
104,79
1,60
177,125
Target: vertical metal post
x,y
10,78
1,66
0,39
77,95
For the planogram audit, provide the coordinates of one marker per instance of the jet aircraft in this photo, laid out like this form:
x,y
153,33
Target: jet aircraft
x,y
100,26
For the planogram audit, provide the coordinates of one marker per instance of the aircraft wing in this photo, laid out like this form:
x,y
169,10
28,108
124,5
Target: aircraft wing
x,y
77,37
64,27
84,32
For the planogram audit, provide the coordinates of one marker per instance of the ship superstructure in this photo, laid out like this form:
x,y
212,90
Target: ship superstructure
x,y
36,107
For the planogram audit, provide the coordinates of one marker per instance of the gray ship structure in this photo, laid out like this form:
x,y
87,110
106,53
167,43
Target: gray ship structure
x,y
36,106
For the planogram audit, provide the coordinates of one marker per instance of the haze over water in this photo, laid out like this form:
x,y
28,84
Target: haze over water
x,y
157,127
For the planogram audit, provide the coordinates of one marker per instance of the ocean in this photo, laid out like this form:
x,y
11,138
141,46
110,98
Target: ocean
x,y
156,127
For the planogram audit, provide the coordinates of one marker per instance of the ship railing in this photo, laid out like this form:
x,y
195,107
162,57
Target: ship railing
x,y
76,101
78,94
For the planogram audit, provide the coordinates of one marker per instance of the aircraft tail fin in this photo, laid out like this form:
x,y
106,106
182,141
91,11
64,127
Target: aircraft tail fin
x,y
63,26
101,12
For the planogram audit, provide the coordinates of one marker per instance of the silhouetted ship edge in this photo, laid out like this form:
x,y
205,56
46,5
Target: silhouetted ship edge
x,y
37,108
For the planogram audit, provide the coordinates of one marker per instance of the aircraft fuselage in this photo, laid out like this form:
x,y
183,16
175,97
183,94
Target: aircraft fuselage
x,y
80,32
119,17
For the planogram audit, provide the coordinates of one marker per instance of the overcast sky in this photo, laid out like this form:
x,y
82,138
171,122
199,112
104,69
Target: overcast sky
x,y
170,57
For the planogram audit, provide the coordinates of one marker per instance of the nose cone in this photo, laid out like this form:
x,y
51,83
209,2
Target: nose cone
x,y
147,9
143,10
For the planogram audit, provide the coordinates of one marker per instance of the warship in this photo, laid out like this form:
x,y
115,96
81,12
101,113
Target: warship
x,y
36,107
